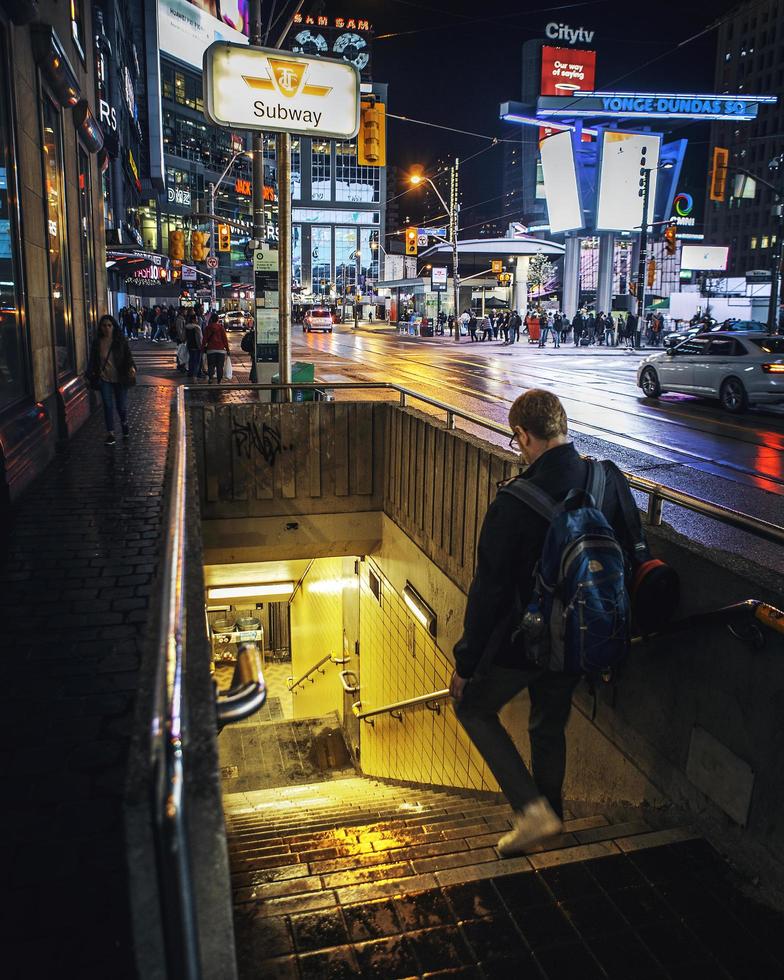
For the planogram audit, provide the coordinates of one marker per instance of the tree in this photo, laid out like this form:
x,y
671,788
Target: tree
x,y
540,272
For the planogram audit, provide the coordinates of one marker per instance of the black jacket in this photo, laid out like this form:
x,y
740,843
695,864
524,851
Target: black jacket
x,y
510,545
121,355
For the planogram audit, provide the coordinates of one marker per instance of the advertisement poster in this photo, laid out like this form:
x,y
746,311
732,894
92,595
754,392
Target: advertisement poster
x,y
566,70
186,28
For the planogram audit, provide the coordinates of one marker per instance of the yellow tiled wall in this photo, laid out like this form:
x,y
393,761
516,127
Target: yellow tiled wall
x,y
399,659
317,630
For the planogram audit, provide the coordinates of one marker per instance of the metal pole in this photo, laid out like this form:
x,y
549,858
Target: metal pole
x,y
453,211
257,199
646,193
284,255
358,255
775,271
213,291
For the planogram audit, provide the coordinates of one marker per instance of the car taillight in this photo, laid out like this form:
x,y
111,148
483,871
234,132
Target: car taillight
x,y
773,368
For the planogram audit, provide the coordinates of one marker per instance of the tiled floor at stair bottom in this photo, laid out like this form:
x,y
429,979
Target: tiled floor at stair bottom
x,y
667,913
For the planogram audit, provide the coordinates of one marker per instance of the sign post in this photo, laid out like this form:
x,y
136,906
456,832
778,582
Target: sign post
x,y
265,89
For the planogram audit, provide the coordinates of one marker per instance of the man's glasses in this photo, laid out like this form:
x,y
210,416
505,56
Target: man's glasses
x,y
513,442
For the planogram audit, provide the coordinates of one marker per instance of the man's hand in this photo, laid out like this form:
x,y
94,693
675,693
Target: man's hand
x,y
457,686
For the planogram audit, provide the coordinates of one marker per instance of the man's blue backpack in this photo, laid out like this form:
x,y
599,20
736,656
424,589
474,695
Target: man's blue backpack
x,y
579,617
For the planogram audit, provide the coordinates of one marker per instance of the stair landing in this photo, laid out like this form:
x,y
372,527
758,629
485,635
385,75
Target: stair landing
x,y
359,878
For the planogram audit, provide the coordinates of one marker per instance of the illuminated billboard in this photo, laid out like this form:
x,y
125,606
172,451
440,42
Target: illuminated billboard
x,y
624,157
566,70
438,279
561,190
186,28
704,258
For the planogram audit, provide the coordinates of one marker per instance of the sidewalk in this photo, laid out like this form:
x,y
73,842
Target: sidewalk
x,y
76,575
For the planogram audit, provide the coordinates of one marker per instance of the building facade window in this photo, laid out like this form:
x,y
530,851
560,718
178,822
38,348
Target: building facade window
x,y
296,168
353,182
296,254
77,26
321,171
86,244
346,260
13,374
54,204
321,259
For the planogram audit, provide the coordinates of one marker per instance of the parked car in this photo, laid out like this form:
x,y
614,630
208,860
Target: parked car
x,y
319,318
737,368
732,326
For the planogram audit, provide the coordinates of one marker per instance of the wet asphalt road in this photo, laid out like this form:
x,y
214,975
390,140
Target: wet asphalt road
x,y
678,441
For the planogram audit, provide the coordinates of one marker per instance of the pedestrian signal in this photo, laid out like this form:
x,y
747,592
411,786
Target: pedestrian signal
x,y
671,239
411,241
372,139
651,272
718,185
199,249
224,238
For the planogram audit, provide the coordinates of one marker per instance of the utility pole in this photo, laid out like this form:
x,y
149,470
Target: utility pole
x,y
453,222
213,250
641,265
283,148
257,200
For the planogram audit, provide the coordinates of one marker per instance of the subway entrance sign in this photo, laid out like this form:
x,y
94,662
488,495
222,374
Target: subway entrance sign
x,y
267,89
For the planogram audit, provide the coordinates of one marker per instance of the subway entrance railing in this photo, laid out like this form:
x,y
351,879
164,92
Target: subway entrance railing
x,y
167,728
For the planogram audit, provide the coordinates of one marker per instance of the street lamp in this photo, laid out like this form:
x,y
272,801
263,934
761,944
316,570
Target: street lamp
x,y
645,193
358,255
451,209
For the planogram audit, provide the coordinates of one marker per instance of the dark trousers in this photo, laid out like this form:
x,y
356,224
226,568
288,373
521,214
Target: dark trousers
x,y
215,362
114,395
551,702
194,363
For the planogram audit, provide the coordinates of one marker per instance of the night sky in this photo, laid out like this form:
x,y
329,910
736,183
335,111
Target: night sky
x,y
450,63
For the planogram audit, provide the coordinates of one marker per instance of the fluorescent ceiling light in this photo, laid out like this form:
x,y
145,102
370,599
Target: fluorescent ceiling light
x,y
250,591
420,609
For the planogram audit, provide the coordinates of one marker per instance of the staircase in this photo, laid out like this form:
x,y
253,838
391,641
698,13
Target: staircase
x,y
353,877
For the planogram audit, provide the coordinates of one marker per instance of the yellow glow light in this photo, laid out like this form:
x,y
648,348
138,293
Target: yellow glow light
x,y
247,591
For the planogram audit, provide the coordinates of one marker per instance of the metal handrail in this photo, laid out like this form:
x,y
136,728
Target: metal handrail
x,y
390,709
657,493
312,670
349,687
167,735
247,693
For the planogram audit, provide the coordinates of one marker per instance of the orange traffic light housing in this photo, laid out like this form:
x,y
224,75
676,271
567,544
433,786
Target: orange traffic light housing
x,y
372,139
718,184
199,249
224,238
651,273
671,239
411,241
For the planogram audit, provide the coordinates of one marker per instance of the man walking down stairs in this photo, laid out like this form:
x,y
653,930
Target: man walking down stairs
x,y
354,877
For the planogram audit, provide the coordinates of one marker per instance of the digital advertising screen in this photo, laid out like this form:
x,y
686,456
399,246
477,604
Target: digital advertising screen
x,y
186,28
438,279
704,258
562,192
566,70
623,157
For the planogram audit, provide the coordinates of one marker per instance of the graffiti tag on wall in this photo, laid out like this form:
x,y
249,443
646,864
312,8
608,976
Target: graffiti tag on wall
x,y
250,437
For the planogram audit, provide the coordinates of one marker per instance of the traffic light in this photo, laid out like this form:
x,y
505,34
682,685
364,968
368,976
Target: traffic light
x,y
199,249
718,185
224,238
671,239
651,272
411,241
372,139
177,244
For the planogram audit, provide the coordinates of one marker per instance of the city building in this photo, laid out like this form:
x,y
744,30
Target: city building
x,y
52,275
511,172
748,62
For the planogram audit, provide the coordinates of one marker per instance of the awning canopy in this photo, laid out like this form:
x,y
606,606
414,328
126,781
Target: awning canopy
x,y
495,248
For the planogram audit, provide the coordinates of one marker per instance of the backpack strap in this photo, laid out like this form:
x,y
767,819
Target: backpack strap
x,y
631,517
537,499
597,482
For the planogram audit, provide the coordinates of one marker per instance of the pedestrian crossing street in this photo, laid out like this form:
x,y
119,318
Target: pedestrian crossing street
x,y
155,363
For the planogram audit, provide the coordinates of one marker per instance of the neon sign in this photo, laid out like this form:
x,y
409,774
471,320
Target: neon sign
x,y
342,23
683,204
662,105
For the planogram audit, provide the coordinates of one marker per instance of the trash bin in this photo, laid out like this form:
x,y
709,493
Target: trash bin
x,y
304,372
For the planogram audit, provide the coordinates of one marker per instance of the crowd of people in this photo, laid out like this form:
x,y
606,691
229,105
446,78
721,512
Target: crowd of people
x,y
585,329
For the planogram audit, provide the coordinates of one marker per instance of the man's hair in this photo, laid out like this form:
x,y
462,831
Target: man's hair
x,y
539,412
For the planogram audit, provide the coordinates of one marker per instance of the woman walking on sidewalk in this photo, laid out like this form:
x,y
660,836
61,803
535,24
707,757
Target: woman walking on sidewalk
x,y
111,369
216,344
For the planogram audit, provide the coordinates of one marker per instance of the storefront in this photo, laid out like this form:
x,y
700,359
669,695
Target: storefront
x,y
52,276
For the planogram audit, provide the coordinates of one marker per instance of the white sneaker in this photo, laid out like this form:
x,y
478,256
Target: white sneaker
x,y
531,825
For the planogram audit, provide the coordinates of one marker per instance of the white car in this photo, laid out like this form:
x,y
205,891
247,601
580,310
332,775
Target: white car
x,y
318,319
737,369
